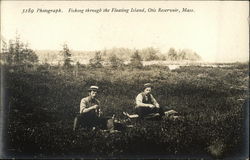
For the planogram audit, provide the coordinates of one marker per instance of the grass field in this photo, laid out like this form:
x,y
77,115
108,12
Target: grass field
x,y
40,106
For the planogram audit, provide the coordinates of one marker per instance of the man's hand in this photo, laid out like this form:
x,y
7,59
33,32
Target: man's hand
x,y
157,106
95,106
151,106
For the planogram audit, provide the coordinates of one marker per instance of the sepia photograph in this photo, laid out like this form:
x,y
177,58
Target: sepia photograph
x,y
124,80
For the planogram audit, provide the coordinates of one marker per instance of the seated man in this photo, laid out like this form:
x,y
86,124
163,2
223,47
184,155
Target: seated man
x,y
146,105
90,114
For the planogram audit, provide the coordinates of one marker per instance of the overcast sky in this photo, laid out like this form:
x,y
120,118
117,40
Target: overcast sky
x,y
218,30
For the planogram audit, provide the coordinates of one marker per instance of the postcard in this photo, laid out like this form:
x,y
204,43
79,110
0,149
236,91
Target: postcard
x,y
124,79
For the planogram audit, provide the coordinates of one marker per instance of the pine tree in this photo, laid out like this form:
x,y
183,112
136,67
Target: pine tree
x,y
66,56
18,54
96,62
136,60
172,54
115,62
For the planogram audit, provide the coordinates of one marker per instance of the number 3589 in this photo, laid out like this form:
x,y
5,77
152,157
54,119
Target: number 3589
x,y
28,10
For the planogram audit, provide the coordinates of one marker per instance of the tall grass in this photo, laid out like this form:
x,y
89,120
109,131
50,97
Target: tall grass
x,y
41,106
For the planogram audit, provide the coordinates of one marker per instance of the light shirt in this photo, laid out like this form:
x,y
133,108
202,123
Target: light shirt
x,y
88,102
142,99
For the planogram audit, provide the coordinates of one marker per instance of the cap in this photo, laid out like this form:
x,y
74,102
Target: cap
x,y
146,85
93,88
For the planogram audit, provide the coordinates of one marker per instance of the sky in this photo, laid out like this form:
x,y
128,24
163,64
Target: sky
x,y
218,31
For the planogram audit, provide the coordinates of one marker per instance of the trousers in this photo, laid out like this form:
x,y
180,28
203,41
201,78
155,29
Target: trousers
x,y
145,111
88,121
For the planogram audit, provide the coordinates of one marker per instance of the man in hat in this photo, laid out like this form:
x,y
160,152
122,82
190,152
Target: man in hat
x,y
90,104
90,113
146,105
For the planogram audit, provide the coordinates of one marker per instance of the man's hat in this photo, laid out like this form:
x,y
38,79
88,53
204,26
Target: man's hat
x,y
93,88
146,85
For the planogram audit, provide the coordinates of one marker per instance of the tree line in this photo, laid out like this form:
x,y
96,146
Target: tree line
x,y
18,53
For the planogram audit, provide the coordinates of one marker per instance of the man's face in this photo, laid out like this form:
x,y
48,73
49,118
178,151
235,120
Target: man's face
x,y
147,90
93,94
